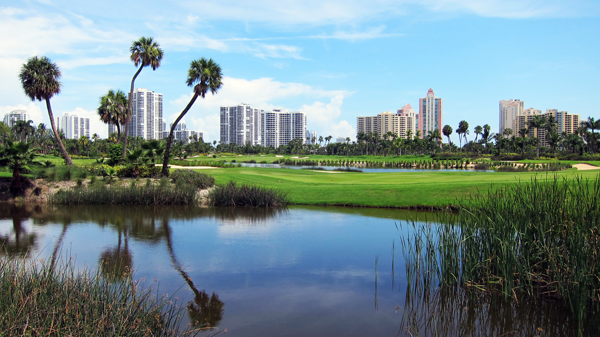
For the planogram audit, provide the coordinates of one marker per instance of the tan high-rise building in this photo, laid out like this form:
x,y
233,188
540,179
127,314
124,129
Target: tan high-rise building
x,y
399,123
565,122
509,110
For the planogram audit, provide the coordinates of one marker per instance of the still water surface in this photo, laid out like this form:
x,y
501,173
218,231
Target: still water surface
x,y
364,169
304,271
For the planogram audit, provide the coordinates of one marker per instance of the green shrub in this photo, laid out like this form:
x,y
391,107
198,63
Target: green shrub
x,y
144,171
66,173
132,195
189,177
233,195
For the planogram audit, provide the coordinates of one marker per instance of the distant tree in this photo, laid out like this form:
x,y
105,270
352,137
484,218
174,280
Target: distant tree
x,y
113,109
447,131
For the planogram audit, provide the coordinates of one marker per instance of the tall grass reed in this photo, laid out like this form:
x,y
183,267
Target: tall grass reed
x,y
163,194
47,299
232,194
539,239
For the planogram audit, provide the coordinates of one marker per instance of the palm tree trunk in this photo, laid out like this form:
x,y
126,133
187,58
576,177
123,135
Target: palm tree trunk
x,y
165,169
60,143
129,108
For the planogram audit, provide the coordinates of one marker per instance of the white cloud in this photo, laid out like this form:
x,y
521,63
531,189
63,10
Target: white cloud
x,y
263,93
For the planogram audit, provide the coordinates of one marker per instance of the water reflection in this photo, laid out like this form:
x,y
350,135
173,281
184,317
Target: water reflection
x,y
454,312
21,242
204,311
311,273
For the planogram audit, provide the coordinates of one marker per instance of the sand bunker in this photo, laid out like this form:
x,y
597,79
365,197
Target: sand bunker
x,y
585,167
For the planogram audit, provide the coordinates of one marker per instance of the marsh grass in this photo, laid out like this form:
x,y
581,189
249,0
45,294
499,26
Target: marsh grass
x,y
45,299
232,194
162,194
539,239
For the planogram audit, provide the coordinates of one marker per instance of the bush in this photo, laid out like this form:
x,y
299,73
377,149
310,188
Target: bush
x,y
64,173
144,171
133,195
193,178
246,195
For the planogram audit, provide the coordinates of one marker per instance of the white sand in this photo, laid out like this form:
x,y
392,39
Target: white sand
x,y
585,167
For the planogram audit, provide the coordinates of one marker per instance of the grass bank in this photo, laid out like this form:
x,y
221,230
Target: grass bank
x,y
49,300
399,190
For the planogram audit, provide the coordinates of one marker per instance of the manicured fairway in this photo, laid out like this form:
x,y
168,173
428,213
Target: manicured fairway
x,y
379,189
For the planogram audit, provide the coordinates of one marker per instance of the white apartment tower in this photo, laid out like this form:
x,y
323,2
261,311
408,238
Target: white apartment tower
x,y
181,133
73,126
15,115
509,110
240,124
431,112
280,126
147,115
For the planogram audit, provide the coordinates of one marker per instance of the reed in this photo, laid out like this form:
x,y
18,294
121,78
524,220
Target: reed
x,y
232,194
539,239
162,194
48,299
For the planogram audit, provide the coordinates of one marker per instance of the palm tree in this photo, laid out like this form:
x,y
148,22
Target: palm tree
x,y
593,125
17,156
144,52
478,131
113,109
507,132
39,78
447,131
204,75
537,123
463,130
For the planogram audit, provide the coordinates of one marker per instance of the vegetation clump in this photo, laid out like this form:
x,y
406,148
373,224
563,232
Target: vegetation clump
x,y
49,299
192,178
232,194
538,239
133,195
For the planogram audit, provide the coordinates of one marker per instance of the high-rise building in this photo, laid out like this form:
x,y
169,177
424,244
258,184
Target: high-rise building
x,y
509,110
522,120
431,110
311,135
147,115
181,133
241,124
73,126
280,126
15,115
399,123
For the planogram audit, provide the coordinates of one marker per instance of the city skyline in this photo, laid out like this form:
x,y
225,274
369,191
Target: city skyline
x,y
335,60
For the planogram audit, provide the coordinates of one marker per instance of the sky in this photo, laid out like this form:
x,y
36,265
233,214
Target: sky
x,y
335,60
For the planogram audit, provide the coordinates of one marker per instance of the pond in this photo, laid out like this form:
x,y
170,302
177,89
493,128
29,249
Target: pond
x,y
303,271
364,169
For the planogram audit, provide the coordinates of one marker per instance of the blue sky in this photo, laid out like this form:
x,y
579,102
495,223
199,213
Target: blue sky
x,y
335,60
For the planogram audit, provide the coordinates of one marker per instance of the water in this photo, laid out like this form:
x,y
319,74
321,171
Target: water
x,y
304,271
364,169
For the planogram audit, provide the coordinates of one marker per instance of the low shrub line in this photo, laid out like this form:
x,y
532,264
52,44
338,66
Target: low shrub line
x,y
180,194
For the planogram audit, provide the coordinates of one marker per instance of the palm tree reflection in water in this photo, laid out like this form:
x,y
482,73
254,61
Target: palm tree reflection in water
x,y
204,311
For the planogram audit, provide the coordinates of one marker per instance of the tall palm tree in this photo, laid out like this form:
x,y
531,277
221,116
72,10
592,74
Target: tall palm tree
x,y
39,78
203,75
478,131
144,52
537,122
507,132
447,131
113,109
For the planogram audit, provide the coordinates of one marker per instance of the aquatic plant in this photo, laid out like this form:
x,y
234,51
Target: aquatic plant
x,y
133,195
232,194
539,238
56,300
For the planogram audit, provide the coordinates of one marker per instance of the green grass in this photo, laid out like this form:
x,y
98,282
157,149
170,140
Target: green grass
x,y
408,189
269,158
61,161
55,300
